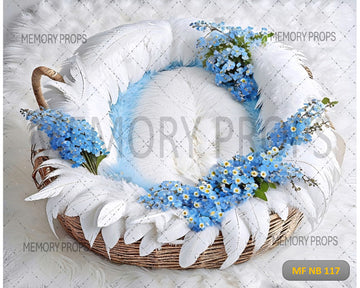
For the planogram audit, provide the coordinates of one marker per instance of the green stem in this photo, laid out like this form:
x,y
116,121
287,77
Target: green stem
x,y
89,164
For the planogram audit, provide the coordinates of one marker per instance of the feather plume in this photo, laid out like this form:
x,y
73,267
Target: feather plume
x,y
135,232
302,200
284,83
88,225
39,139
112,233
50,208
236,236
255,213
320,160
56,172
278,202
58,204
134,209
46,153
53,189
111,212
198,123
56,163
149,243
159,219
86,201
196,243
175,229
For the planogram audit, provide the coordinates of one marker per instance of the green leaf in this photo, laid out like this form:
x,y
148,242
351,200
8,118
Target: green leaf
x,y
272,185
325,100
99,159
260,194
252,149
259,180
263,40
264,186
92,162
334,102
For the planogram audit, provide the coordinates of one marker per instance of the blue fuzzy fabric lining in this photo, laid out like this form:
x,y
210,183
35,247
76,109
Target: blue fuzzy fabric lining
x,y
121,114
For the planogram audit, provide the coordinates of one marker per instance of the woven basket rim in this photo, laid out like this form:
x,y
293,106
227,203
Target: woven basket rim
x,y
168,255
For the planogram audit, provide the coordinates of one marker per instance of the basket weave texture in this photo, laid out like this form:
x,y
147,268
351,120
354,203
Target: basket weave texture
x,y
168,255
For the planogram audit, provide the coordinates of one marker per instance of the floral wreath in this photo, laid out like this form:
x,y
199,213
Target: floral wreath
x,y
236,195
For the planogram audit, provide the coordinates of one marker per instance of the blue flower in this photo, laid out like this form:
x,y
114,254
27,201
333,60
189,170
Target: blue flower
x,y
75,139
229,65
237,51
225,47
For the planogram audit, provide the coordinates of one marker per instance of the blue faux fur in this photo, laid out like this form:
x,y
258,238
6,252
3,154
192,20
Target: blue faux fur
x,y
121,114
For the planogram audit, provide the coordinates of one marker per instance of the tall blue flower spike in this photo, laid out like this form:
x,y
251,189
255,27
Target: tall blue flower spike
x,y
75,139
225,51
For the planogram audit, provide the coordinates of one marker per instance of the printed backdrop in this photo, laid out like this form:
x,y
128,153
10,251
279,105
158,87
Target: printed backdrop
x,y
50,31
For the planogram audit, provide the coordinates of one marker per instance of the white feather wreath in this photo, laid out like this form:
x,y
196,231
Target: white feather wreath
x,y
105,66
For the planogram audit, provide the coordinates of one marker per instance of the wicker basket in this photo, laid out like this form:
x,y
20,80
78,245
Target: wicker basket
x,y
168,255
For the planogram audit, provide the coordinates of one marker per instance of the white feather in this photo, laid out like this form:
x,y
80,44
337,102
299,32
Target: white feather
x,y
121,56
159,219
134,209
320,160
236,236
278,202
55,173
136,191
255,213
68,194
135,232
284,83
184,48
88,225
50,207
53,189
58,204
175,229
196,243
149,243
112,233
39,139
86,201
201,126
148,42
46,153
70,94
302,200
111,212
56,163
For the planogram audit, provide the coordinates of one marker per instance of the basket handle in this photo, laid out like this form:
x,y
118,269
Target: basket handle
x,y
36,84
307,69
